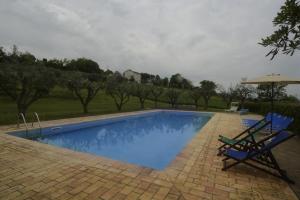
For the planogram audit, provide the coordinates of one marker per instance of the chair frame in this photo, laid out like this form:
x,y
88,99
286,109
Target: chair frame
x,y
261,156
237,145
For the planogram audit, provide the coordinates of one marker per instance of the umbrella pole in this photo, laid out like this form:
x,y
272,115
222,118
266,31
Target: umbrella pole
x,y
272,106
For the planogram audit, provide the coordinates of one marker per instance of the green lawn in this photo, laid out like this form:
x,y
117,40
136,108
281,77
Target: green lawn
x,y
62,104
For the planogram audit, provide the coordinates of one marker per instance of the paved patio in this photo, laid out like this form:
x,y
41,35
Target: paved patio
x,y
288,157
31,170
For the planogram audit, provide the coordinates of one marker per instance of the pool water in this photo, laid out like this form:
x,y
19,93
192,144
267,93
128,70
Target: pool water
x,y
151,140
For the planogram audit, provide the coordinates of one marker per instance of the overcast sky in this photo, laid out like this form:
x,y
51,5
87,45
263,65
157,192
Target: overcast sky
x,y
200,39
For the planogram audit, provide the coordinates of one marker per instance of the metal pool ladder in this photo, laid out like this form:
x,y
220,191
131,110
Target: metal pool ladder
x,y
35,115
24,121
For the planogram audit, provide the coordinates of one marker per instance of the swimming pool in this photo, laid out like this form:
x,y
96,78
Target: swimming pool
x,y
150,139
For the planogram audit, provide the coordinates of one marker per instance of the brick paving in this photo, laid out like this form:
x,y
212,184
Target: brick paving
x,y
32,170
288,157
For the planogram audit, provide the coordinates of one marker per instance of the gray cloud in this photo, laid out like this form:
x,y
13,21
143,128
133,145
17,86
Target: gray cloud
x,y
208,39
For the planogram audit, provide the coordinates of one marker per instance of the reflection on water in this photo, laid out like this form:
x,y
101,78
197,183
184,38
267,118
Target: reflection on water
x,y
151,141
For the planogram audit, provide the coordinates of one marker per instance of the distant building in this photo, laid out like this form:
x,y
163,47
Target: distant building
x,y
129,74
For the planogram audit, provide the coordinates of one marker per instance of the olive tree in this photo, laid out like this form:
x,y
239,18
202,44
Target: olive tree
x,y
142,92
173,96
25,84
195,94
84,86
156,92
227,94
264,92
208,89
119,89
83,65
244,92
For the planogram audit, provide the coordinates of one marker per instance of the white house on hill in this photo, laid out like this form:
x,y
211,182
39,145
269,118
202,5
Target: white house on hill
x,y
129,74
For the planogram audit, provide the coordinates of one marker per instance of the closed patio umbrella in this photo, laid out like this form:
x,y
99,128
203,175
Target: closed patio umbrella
x,y
272,80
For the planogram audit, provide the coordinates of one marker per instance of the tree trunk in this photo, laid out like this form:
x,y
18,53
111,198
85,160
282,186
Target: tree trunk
x,y
205,104
85,108
196,104
22,109
155,103
142,103
242,103
228,104
119,106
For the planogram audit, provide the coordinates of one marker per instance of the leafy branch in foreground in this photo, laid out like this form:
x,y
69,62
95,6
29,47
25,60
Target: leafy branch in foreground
x,y
287,37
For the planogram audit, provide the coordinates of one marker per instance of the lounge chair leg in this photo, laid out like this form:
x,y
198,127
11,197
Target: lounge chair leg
x,y
283,173
220,153
221,149
224,165
285,177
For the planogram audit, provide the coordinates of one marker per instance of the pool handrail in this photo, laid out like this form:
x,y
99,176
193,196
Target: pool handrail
x,y
24,121
35,115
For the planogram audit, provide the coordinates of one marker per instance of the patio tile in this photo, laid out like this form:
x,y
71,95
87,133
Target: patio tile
x,y
31,170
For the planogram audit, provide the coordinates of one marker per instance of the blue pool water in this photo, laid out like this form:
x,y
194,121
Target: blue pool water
x,y
151,140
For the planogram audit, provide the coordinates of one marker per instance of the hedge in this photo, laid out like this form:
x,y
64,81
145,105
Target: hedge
x,y
287,109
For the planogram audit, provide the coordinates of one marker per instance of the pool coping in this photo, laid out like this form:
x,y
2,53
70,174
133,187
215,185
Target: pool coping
x,y
109,161
130,114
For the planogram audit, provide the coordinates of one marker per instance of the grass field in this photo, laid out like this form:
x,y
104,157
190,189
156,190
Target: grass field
x,y
62,104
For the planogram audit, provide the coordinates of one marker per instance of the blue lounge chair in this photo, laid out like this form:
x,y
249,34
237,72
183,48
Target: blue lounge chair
x,y
259,155
279,122
250,122
243,111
